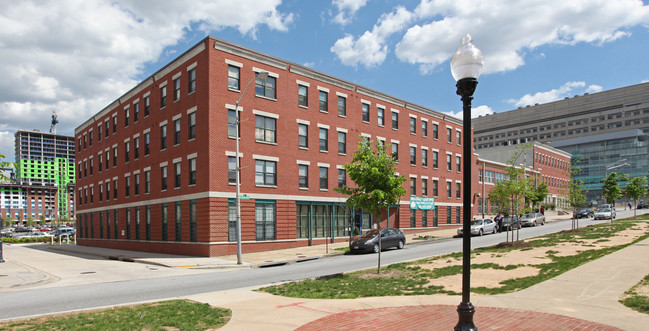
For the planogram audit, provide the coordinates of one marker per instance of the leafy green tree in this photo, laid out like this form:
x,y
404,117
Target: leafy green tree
x,y
30,221
5,165
3,222
611,189
537,194
576,197
376,186
636,189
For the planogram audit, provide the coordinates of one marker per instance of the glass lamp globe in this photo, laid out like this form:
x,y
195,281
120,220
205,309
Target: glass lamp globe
x,y
467,61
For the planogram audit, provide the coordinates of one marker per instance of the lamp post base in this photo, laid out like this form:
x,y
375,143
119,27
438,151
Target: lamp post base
x,y
465,312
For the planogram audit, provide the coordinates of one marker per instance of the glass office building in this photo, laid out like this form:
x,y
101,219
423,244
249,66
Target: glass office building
x,y
624,152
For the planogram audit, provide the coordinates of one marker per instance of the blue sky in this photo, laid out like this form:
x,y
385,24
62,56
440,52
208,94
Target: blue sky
x,y
77,56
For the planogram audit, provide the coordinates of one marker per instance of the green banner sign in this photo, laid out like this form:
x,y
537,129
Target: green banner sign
x,y
423,203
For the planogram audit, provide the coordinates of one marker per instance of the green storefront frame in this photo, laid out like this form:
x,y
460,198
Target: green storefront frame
x,y
322,220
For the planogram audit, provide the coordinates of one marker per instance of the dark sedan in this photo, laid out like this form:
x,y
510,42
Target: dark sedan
x,y
368,242
585,213
511,223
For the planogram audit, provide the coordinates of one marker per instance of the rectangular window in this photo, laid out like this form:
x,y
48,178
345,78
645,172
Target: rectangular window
x,y
342,143
302,96
366,112
107,191
265,88
265,129
107,128
163,137
395,151
323,101
449,164
381,116
101,224
163,178
233,77
458,190
147,222
458,163
265,172
342,106
114,156
265,221
435,159
136,111
101,192
177,132
232,220
147,106
303,136
192,80
424,158
232,170
177,89
324,178
147,182
115,220
413,125
424,218
126,117
303,176
458,137
177,175
424,187
128,223
232,124
424,129
413,155
448,214
136,148
90,138
114,188
457,215
99,127
395,120
164,221
192,171
324,140
449,135
449,188
435,131
193,233
178,222
147,143
127,151
127,186
192,126
413,186
163,96
435,188
342,177
413,218
137,184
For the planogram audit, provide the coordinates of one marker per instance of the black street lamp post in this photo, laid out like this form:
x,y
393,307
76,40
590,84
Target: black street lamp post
x,y
466,66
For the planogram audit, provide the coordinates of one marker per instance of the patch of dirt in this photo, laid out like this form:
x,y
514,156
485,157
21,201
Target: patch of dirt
x,y
383,274
514,244
490,278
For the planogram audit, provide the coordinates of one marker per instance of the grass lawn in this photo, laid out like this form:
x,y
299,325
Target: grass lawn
x,y
553,254
165,315
637,298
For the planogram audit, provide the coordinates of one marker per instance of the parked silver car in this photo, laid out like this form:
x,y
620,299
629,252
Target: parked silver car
x,y
480,227
604,214
532,219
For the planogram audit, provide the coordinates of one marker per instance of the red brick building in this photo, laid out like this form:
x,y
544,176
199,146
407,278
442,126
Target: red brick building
x,y
542,163
162,157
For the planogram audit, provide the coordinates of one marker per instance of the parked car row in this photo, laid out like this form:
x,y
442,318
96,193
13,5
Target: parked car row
x,y
487,225
25,232
604,214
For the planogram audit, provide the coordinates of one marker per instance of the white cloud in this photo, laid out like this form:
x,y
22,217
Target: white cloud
x,y
553,95
346,10
475,112
505,30
370,49
76,56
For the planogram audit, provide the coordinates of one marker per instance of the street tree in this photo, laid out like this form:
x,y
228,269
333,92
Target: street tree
x,y
576,197
636,189
611,189
376,185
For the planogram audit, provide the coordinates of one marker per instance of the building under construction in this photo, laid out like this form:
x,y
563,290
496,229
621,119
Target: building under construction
x,y
43,185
